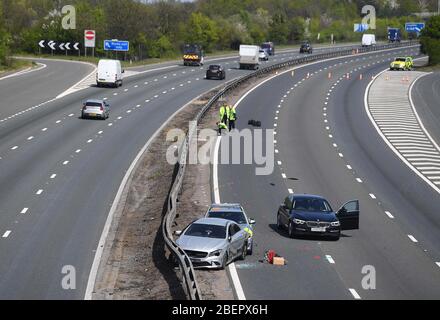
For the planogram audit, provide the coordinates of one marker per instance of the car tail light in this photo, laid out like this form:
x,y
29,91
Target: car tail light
x,y
102,108
84,107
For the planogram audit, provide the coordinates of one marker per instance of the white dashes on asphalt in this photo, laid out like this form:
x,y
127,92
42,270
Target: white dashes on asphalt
x,y
411,237
6,234
354,294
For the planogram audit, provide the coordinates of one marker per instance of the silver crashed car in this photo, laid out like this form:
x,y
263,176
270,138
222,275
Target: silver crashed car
x,y
213,243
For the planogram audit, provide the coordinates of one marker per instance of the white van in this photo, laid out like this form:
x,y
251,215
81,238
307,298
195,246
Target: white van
x,y
368,40
249,57
109,73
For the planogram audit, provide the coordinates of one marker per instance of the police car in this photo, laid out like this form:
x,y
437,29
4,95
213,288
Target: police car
x,y
402,63
236,213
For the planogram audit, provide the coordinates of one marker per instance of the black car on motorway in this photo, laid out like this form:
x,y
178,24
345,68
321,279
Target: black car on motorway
x,y
306,47
313,215
215,71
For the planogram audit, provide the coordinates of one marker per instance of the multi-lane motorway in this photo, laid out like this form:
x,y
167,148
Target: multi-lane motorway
x,y
59,174
325,144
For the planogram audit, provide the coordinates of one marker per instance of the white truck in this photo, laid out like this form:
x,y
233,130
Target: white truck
x,y
368,40
249,57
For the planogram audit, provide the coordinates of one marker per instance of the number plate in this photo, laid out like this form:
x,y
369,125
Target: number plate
x,y
322,229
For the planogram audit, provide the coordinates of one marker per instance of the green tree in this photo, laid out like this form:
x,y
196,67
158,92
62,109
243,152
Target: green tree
x,y
4,40
279,29
202,30
430,40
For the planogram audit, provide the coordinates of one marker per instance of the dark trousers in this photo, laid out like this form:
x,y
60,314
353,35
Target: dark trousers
x,y
231,124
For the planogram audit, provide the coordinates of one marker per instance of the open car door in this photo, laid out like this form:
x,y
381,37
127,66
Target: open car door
x,y
348,215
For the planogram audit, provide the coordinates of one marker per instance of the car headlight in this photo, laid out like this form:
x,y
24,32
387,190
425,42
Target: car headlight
x,y
335,224
298,221
216,253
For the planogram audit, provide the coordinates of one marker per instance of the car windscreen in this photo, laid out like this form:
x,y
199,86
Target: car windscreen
x,y
93,104
214,67
206,231
400,59
311,205
266,46
237,217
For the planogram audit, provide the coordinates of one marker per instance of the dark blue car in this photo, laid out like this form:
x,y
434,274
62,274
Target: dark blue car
x,y
313,215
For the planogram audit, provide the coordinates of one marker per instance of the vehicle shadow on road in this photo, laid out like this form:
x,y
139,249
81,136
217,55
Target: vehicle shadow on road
x,y
284,234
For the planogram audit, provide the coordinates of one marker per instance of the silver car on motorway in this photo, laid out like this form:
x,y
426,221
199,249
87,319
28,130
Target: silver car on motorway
x,y
213,243
95,109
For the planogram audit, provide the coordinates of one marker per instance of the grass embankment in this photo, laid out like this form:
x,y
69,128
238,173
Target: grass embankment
x,y
15,65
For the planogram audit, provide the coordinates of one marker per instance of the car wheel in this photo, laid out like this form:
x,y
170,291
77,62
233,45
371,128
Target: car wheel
x,y
279,224
243,252
251,249
291,232
225,261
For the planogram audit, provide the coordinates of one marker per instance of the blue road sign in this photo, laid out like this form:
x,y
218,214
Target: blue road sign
x,y
116,45
414,26
360,27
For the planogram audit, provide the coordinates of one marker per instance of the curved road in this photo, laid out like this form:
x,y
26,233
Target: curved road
x,y
59,174
50,78
326,145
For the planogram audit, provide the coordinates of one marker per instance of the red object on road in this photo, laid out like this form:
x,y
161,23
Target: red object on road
x,y
270,255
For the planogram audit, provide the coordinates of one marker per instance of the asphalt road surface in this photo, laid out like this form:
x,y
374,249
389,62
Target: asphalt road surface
x,y
326,145
59,174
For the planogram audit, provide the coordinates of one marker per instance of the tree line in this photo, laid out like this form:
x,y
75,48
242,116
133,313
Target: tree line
x,y
160,29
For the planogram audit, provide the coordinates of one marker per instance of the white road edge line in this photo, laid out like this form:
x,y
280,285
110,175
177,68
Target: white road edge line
x,y
396,152
237,284
354,294
100,248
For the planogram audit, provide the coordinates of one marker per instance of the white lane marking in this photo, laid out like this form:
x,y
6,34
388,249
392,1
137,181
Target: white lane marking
x,y
44,129
6,234
100,132
359,180
71,115
14,148
90,141
30,138
110,124
341,155
284,176
108,223
119,118
354,293
78,151
53,176
349,167
438,264
330,259
373,99
389,214
24,210
39,192
372,196
411,237
58,121
279,163
65,162
290,191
